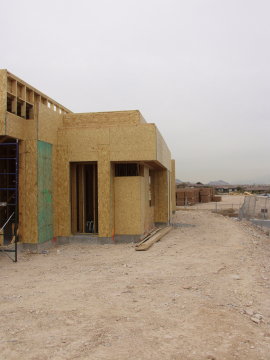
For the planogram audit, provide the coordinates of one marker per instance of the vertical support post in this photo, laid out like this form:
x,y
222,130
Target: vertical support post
x,y
162,195
74,222
173,187
81,196
105,216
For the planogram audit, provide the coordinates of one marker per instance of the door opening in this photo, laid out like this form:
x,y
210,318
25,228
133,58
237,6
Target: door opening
x,y
84,198
9,214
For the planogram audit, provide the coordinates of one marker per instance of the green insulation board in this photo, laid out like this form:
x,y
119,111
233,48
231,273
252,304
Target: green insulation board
x,y
45,206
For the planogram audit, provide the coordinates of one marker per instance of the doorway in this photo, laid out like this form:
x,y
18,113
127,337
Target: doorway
x,y
9,176
84,198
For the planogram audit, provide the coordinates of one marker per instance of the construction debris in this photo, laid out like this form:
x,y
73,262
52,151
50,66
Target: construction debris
x,y
149,241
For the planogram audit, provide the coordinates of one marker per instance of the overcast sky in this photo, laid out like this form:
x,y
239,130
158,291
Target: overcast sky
x,y
199,69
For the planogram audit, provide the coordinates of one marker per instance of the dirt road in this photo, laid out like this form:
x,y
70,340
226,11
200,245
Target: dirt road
x,y
202,292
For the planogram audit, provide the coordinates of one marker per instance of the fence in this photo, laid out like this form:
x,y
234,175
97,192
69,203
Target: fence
x,y
213,206
255,207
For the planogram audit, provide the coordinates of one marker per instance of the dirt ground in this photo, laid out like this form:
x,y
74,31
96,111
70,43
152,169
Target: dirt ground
x,y
202,292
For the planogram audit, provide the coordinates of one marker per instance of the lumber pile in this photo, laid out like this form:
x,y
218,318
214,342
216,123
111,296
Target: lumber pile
x,y
192,196
205,195
149,240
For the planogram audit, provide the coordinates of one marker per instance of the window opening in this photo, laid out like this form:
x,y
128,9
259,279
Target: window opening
x,y
29,111
127,169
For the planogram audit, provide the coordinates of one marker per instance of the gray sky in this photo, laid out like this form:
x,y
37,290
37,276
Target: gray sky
x,y
199,69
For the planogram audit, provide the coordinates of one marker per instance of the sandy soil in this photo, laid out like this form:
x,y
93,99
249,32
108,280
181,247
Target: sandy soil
x,y
202,292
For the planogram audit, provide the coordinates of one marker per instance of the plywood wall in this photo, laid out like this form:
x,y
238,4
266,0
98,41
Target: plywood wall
x,y
61,193
16,126
147,209
45,188
173,186
48,122
3,100
133,143
105,225
103,119
107,145
162,196
163,153
83,144
128,215
28,226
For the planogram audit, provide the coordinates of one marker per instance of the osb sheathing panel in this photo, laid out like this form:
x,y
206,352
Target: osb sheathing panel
x,y
162,196
163,152
48,123
133,143
103,119
62,219
15,126
83,144
173,186
128,215
142,119
105,225
30,129
105,144
22,192
62,193
28,191
147,210
3,100
126,143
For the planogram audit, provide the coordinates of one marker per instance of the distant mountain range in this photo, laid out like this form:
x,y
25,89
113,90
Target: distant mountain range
x,y
218,182
211,183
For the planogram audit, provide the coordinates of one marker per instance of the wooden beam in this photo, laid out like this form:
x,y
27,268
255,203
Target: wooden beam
x,y
81,197
73,174
153,239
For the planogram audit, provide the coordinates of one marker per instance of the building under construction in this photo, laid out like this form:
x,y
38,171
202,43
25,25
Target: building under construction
x,y
105,176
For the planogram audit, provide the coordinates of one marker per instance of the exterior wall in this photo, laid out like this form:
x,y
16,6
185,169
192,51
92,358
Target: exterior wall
x,y
173,187
104,188
162,196
3,100
16,127
48,122
128,202
106,145
163,153
44,196
102,137
147,211
133,143
28,215
104,119
62,217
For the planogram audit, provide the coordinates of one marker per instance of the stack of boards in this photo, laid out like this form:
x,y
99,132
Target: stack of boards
x,y
151,238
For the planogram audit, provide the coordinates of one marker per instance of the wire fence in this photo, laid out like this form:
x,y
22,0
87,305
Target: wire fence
x,y
213,206
255,207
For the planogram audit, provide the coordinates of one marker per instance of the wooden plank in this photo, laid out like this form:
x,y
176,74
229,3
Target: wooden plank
x,y
73,174
95,203
81,197
153,239
150,234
